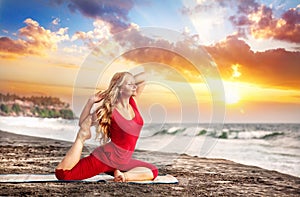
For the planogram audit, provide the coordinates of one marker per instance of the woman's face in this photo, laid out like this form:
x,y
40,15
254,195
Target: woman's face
x,y
128,88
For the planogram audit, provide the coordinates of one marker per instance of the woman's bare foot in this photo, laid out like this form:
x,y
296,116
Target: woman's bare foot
x,y
85,129
119,176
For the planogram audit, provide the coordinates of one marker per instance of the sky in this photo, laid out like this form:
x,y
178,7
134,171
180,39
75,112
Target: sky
x,y
204,60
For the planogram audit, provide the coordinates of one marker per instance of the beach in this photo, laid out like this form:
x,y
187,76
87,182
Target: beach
x,y
197,176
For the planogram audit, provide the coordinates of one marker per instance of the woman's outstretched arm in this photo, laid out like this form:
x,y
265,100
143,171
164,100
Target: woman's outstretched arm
x,y
88,106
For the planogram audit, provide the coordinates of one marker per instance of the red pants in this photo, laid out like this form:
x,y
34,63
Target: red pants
x,y
90,166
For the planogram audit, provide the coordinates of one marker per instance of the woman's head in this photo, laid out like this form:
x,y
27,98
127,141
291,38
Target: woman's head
x,y
123,85
127,86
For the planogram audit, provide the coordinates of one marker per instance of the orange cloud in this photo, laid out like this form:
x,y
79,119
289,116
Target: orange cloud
x,y
255,18
32,40
165,57
276,67
264,25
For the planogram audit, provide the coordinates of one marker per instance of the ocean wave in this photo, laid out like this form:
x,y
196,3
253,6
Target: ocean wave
x,y
171,131
258,132
230,131
272,135
54,128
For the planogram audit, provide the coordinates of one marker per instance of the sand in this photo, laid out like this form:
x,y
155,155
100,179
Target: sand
x,y
197,176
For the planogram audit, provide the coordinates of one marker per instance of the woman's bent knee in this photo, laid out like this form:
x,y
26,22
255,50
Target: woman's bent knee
x,y
62,174
154,172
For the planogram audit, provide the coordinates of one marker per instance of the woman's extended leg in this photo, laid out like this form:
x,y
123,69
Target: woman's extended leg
x,y
73,155
87,167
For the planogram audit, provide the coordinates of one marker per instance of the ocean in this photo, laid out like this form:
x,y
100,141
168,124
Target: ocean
x,y
270,146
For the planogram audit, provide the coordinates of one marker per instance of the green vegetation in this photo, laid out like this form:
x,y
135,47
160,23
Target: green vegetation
x,y
224,135
202,132
4,108
66,113
16,108
37,106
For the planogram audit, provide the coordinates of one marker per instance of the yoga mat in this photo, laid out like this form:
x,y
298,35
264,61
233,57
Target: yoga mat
x,y
39,178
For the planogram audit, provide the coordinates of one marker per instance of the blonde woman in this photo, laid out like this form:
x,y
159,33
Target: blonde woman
x,y
118,124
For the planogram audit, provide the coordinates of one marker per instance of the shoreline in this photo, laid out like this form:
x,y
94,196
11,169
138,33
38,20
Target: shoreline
x,y
197,176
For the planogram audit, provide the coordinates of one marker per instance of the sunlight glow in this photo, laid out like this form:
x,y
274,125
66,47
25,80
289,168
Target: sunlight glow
x,y
236,72
231,94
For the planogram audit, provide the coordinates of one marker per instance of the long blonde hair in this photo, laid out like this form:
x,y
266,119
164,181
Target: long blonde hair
x,y
110,97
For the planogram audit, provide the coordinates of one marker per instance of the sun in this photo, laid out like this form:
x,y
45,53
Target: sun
x,y
231,95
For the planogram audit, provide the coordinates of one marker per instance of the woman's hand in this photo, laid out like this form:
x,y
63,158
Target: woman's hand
x,y
140,78
96,98
87,108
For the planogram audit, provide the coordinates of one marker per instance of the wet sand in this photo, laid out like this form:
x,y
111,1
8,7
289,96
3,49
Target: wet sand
x,y
197,176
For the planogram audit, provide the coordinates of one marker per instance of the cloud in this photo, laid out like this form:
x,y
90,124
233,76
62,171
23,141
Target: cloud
x,y
276,67
55,21
135,46
113,12
92,38
11,48
156,49
33,39
286,28
209,18
271,68
251,17
111,16
260,22
5,31
202,6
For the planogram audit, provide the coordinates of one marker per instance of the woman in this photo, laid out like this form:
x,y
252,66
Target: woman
x,y
118,124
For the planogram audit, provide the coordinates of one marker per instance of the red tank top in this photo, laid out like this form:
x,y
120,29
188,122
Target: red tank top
x,y
124,135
